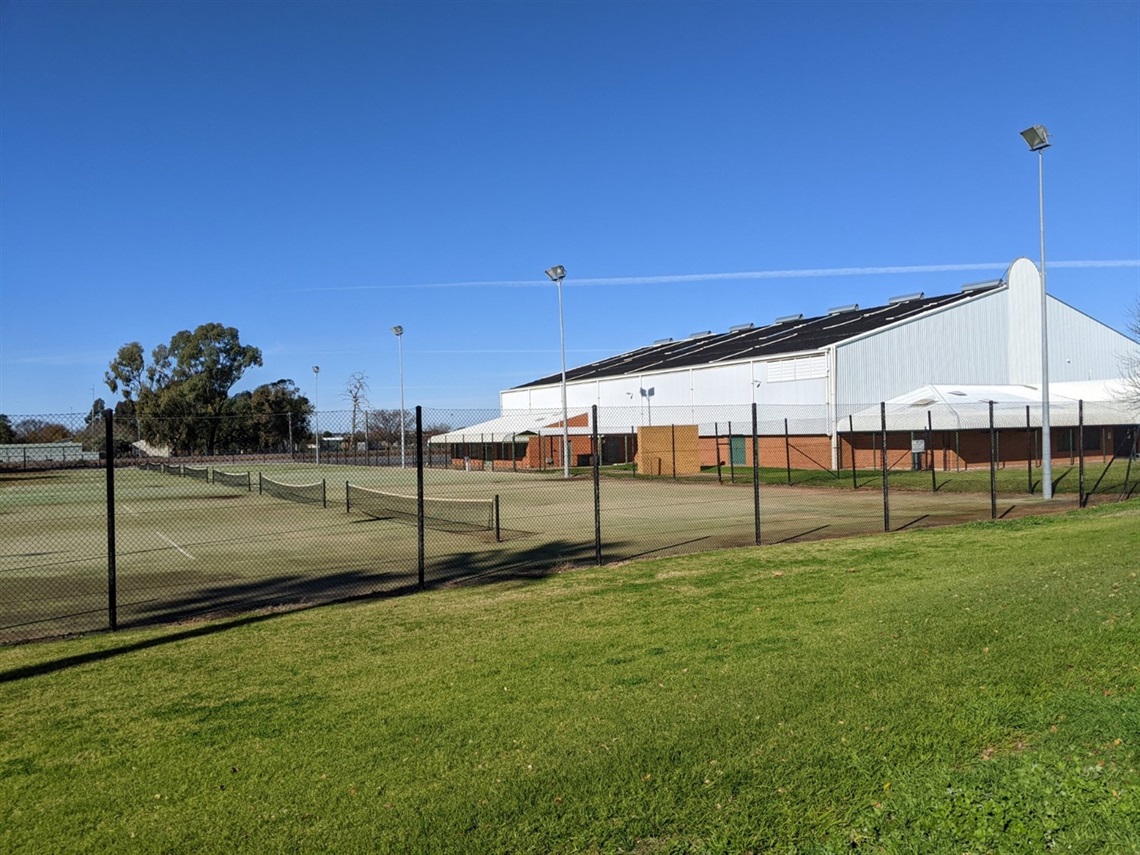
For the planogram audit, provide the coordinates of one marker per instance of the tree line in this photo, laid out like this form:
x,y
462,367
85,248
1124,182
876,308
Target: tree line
x,y
181,399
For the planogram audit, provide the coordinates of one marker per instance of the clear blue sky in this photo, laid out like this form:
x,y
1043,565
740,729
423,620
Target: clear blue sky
x,y
314,173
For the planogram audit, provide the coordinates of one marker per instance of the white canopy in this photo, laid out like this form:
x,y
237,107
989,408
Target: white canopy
x,y
957,407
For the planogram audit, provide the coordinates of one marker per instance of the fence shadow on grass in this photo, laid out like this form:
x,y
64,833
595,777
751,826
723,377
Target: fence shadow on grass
x,y
63,663
284,594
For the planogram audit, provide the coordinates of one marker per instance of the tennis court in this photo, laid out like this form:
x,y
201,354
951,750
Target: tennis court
x,y
287,534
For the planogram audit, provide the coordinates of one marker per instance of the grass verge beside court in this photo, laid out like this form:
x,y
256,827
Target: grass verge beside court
x,y
949,690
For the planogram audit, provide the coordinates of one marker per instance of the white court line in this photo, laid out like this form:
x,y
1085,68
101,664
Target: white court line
x,y
175,545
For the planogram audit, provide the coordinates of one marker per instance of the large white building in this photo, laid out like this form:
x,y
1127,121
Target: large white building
x,y
820,372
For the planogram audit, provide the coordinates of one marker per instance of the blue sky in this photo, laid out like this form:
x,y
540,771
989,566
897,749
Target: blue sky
x,y
314,173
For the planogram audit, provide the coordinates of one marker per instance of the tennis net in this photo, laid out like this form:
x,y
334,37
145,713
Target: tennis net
x,y
306,494
171,469
456,515
233,479
198,473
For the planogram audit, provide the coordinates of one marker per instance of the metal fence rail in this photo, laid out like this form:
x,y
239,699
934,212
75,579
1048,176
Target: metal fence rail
x,y
129,539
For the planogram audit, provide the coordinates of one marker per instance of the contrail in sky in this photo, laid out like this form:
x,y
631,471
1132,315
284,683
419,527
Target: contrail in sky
x,y
743,276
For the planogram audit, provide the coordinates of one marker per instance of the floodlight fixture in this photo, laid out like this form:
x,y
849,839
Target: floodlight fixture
x,y
1037,138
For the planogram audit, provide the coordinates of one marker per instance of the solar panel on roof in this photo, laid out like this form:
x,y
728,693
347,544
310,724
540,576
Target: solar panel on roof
x,y
791,333
906,298
981,286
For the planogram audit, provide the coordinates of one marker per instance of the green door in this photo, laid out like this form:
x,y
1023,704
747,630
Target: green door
x,y
736,447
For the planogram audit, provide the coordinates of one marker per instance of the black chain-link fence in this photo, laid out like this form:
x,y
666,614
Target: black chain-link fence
x,y
101,527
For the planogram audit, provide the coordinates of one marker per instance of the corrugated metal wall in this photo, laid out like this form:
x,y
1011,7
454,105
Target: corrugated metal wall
x,y
1082,348
964,343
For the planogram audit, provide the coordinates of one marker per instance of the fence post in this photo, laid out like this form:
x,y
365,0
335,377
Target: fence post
x,y
597,486
731,462
788,452
930,450
756,472
716,433
112,596
851,442
886,484
1028,452
993,465
1081,497
420,493
673,446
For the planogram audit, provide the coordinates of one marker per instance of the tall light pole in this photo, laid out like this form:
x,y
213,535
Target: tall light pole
x,y
399,331
557,273
1038,140
316,409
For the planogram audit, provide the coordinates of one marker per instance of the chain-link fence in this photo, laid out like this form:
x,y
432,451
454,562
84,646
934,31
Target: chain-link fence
x,y
103,525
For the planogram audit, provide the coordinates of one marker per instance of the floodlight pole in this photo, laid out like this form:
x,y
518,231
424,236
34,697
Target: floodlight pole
x,y
1038,140
316,409
557,274
399,331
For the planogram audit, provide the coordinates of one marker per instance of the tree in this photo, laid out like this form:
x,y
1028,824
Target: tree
x,y
125,373
356,393
282,414
265,419
94,435
385,425
125,376
180,398
37,430
95,417
6,434
1131,367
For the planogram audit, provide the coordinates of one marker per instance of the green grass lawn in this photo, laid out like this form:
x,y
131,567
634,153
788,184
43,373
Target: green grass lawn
x,y
1105,479
968,689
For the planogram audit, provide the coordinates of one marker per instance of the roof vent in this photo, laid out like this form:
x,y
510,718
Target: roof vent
x,y
701,334
854,307
663,341
982,286
787,318
742,327
906,298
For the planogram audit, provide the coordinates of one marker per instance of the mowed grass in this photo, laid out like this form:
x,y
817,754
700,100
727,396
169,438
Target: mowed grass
x,y
968,689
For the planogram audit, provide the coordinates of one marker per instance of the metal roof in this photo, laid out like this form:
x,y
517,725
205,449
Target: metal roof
x,y
790,334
